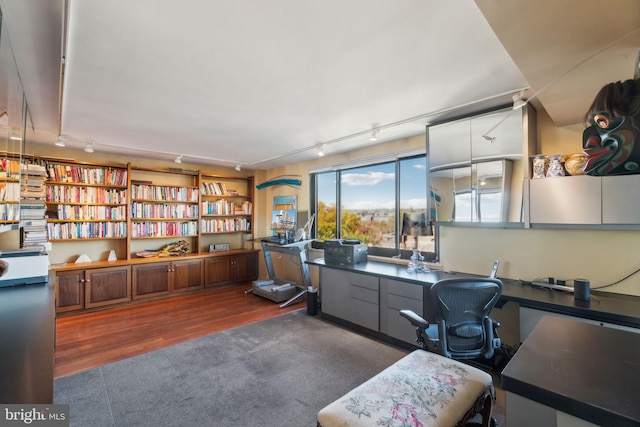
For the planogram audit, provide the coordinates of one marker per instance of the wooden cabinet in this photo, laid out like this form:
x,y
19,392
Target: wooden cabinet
x,y
223,270
91,288
187,275
162,278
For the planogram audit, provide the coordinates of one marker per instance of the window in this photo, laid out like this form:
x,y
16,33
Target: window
x,y
367,203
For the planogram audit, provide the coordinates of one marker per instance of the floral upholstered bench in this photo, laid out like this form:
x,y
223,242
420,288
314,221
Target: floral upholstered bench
x,y
421,389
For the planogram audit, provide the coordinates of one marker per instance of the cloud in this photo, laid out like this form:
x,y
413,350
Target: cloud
x,y
419,166
368,179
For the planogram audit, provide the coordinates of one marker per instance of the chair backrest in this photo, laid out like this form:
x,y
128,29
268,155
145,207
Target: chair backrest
x,y
461,307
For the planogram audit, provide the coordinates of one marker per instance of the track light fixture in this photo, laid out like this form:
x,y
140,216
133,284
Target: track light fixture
x,y
320,150
89,147
519,101
238,168
60,142
178,159
374,135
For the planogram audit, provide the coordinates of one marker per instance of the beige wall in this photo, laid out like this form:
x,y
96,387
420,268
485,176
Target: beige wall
x,y
602,256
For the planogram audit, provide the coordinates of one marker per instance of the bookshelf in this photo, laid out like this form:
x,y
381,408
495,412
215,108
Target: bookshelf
x,y
9,191
33,227
226,211
164,206
87,202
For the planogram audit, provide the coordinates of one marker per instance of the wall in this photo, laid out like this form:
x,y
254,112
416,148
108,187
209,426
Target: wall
x,y
602,256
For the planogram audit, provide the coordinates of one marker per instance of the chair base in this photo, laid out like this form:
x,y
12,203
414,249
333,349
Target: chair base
x,y
422,387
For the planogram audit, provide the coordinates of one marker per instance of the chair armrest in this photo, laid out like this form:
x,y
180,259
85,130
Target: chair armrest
x,y
415,320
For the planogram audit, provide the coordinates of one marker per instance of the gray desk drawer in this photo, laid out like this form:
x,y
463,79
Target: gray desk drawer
x,y
410,290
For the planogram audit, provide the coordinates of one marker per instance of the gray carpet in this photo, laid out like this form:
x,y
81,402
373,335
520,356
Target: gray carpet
x,y
279,372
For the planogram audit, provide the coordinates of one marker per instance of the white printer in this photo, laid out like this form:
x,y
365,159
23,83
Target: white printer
x,y
27,266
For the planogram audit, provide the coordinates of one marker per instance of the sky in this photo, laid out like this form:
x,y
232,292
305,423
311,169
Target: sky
x,y
373,187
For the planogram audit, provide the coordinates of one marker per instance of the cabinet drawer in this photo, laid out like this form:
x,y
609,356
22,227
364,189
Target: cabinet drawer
x,y
361,280
404,303
410,290
364,294
400,328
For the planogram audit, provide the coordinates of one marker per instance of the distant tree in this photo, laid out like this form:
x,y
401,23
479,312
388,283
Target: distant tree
x,y
326,221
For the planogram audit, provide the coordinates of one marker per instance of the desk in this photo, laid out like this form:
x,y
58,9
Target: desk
x,y
569,367
604,307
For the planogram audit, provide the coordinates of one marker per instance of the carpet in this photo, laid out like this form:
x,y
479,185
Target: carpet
x,y
278,372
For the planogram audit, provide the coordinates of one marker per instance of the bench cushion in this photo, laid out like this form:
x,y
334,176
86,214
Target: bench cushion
x,y
421,389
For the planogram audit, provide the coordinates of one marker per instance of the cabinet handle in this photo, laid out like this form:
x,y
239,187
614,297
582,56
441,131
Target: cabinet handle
x,y
87,280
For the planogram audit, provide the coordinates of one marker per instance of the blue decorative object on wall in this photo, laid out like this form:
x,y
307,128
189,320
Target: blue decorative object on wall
x,y
279,180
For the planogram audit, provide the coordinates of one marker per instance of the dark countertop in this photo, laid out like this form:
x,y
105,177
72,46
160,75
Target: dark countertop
x,y
581,369
27,333
603,306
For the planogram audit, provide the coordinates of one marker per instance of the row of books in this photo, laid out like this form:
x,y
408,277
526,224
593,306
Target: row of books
x,y
217,189
10,212
226,207
224,225
160,192
10,191
163,210
87,175
75,213
86,230
65,194
9,168
160,229
33,230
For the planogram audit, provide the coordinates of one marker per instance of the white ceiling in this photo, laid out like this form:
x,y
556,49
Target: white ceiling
x,y
262,84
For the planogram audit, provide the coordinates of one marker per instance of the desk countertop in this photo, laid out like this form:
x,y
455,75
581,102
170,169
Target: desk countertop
x,y
583,370
603,306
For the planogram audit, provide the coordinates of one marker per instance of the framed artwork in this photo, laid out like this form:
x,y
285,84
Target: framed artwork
x,y
284,214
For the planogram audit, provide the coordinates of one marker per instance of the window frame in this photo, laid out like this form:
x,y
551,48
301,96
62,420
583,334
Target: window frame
x,y
384,252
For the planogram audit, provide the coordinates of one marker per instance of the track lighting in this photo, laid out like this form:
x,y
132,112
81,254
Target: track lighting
x,y
320,150
60,142
374,135
518,100
238,168
89,147
178,159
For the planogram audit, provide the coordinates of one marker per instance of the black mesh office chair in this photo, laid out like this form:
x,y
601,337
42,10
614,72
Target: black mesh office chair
x,y
460,308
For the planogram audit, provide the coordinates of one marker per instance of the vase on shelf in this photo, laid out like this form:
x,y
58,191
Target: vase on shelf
x,y
539,166
556,168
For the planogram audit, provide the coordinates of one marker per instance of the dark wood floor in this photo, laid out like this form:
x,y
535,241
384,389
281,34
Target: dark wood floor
x,y
90,340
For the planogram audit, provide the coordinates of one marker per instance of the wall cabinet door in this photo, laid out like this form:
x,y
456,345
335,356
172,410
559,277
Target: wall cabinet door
x,y
186,275
566,200
69,291
150,280
621,199
104,286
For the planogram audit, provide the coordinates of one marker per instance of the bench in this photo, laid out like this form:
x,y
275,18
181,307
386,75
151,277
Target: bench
x,y
421,389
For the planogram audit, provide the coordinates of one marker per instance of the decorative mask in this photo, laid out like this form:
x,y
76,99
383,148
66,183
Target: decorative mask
x,y
611,143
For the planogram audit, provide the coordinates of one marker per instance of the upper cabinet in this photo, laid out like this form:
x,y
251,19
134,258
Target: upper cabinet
x,y
478,168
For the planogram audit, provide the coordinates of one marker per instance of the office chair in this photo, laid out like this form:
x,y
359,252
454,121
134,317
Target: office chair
x,y
460,308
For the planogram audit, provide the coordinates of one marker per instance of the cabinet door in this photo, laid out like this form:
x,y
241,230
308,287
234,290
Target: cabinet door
x,y
246,267
621,199
566,200
69,291
150,280
105,286
350,296
398,296
187,275
217,271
